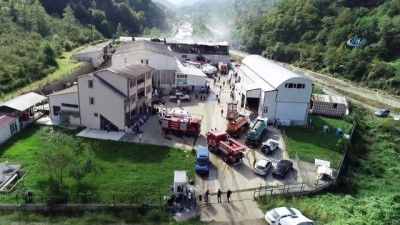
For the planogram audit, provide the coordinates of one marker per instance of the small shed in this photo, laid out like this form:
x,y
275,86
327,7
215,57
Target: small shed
x,y
9,126
180,181
327,105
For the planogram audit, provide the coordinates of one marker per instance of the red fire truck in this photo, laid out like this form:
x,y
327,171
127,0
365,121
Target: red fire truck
x,y
181,126
230,149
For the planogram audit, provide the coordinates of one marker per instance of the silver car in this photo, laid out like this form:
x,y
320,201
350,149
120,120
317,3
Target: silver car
x,y
263,166
275,215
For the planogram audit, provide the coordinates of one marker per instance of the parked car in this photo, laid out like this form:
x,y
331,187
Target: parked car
x,y
296,220
273,216
157,101
263,166
282,169
269,146
382,112
180,96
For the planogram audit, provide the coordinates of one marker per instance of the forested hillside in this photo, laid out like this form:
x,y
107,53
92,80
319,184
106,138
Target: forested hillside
x,y
221,15
30,41
33,33
133,16
313,34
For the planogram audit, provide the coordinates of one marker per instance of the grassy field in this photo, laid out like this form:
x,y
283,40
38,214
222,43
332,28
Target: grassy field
x,y
318,90
153,217
66,66
136,173
311,143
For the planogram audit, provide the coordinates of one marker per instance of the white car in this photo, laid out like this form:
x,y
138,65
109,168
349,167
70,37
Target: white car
x,y
296,220
263,166
275,215
269,146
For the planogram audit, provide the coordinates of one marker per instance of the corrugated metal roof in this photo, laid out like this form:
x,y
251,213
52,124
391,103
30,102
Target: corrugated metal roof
x,y
130,70
180,177
189,70
24,102
95,48
255,80
143,45
65,91
329,99
6,119
194,42
268,70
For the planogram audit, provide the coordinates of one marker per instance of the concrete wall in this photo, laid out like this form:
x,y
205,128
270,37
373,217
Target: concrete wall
x,y
270,102
121,83
96,58
57,100
295,94
107,103
156,61
291,111
5,132
68,80
197,81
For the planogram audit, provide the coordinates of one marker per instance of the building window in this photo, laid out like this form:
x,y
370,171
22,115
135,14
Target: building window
x,y
13,127
144,61
132,82
69,105
290,85
132,99
298,86
184,56
140,79
265,109
148,76
140,94
148,89
56,109
91,100
95,114
286,85
303,86
334,105
90,83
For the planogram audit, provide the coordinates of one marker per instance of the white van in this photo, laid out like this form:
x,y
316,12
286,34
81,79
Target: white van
x,y
296,220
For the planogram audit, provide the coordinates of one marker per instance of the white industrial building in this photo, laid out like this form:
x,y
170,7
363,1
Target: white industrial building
x,y
64,106
187,76
96,54
189,50
154,54
273,91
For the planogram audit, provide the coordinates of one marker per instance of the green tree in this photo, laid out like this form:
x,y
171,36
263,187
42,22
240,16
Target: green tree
x,y
69,18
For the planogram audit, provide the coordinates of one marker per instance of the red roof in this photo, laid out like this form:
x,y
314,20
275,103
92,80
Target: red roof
x,y
6,119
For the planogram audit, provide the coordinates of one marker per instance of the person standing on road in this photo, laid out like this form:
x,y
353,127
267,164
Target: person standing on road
x,y
222,111
219,79
179,102
228,195
140,136
219,195
254,163
207,197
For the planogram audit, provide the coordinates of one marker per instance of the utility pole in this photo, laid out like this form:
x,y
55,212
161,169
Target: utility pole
x,y
91,26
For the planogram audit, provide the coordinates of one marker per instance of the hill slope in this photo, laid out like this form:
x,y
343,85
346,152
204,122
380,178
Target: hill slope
x,y
106,15
313,34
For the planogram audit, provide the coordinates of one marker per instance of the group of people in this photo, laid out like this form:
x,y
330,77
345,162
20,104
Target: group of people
x,y
219,196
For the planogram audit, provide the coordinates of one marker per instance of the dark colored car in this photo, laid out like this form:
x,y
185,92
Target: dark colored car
x,y
282,169
382,113
157,101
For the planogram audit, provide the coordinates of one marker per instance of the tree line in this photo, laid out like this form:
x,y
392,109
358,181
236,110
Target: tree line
x,y
33,33
313,35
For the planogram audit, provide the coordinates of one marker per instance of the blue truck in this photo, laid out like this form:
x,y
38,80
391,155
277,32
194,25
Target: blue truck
x,y
202,164
255,135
